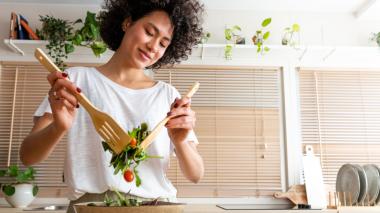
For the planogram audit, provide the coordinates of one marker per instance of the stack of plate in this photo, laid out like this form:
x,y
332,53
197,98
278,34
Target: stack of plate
x,y
358,185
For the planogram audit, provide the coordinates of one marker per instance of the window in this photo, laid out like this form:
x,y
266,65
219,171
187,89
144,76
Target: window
x,y
239,126
22,88
340,117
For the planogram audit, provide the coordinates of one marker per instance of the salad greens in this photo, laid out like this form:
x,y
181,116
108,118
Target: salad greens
x,y
131,156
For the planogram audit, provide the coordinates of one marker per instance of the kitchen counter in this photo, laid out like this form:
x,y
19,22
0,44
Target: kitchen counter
x,y
190,208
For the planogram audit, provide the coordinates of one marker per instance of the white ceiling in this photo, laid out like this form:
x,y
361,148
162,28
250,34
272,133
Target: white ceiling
x,y
361,8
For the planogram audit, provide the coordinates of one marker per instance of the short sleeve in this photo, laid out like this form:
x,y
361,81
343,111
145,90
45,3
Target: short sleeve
x,y
43,108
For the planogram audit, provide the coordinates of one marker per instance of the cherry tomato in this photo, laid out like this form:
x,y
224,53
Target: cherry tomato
x,y
128,175
133,142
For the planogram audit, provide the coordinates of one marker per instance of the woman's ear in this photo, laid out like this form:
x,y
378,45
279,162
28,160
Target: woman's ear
x,y
126,23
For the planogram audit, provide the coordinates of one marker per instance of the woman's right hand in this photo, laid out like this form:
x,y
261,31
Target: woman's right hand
x,y
62,101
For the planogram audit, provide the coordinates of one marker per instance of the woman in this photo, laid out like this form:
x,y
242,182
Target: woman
x,y
143,34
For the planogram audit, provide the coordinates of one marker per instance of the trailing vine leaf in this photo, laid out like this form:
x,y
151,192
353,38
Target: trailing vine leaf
x,y
57,32
266,35
266,22
9,190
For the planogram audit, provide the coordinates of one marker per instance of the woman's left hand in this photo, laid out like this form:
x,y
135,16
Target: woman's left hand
x,y
182,121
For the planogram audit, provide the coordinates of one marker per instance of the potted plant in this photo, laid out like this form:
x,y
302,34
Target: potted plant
x,y
21,191
62,40
291,35
260,36
89,35
56,31
376,37
232,36
205,37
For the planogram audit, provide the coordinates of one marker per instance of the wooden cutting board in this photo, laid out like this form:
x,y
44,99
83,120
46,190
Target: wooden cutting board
x,y
296,194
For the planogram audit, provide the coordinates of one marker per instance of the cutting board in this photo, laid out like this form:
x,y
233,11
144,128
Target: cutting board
x,y
296,194
315,189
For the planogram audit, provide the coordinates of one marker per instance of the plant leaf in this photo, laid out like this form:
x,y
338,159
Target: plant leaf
x,y
35,190
266,49
266,35
228,34
13,171
266,22
2,173
98,48
69,48
9,190
296,28
236,27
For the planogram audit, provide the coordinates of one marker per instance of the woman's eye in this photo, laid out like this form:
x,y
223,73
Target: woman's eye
x,y
162,45
148,32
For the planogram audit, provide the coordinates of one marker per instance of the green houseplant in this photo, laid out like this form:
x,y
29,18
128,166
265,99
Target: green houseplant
x,y
62,40
260,36
19,190
89,35
205,37
232,37
376,37
57,32
291,35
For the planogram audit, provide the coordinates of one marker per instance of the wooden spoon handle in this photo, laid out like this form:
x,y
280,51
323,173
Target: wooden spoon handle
x,y
51,67
148,140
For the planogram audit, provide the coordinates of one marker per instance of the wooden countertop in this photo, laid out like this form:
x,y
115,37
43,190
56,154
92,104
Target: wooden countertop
x,y
189,208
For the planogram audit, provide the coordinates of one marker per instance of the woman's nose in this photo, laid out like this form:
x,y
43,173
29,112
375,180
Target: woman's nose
x,y
153,46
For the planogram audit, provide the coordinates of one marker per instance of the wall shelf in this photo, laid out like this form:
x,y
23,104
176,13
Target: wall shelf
x,y
214,54
24,51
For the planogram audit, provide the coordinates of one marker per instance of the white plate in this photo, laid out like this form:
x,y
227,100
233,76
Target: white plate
x,y
348,183
373,179
363,184
378,196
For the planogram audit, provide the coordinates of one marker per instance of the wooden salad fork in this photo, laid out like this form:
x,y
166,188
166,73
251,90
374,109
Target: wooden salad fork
x,y
149,139
105,125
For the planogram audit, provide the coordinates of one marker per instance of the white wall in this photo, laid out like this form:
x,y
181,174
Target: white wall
x,y
316,28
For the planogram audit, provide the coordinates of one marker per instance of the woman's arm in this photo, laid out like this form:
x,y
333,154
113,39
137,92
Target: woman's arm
x,y
41,141
190,161
179,127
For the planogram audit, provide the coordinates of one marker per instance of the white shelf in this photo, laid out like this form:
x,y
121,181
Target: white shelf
x,y
24,51
213,54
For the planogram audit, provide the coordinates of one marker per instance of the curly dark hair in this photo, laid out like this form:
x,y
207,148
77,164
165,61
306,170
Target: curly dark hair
x,y
185,15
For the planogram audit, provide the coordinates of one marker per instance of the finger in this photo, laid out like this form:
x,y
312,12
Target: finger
x,y
63,94
182,102
174,103
175,112
60,103
67,85
54,76
67,104
182,122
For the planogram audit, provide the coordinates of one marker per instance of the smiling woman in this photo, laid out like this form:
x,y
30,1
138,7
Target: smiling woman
x,y
143,34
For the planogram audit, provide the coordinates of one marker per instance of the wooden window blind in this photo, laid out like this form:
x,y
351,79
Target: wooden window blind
x,y
239,126
340,117
22,88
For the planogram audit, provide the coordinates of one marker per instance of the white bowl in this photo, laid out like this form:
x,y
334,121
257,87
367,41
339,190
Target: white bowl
x,y
22,197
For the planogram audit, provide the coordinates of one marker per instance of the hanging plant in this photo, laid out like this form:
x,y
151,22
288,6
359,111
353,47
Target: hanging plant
x,y
232,36
89,35
56,31
291,36
376,37
260,36
62,40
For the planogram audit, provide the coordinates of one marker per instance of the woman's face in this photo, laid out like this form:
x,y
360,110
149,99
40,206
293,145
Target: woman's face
x,y
146,40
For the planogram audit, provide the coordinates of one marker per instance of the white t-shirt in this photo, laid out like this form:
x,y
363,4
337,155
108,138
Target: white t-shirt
x,y
87,165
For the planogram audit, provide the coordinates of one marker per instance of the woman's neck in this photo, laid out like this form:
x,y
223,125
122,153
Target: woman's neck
x,y
125,75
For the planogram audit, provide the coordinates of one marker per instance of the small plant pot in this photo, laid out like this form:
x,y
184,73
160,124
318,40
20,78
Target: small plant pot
x,y
22,197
